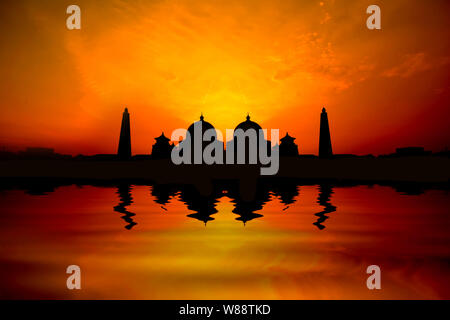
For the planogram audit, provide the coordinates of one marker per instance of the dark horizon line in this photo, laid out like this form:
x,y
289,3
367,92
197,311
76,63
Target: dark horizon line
x,y
22,150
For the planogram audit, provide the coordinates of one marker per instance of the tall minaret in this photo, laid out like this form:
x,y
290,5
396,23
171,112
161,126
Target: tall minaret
x,y
124,152
325,150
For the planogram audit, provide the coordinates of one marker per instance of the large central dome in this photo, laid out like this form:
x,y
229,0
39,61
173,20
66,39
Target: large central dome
x,y
193,130
248,124
205,126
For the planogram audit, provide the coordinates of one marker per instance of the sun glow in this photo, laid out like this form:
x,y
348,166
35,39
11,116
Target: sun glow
x,y
168,61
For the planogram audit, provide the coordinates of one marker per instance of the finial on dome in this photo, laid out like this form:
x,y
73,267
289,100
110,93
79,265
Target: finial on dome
x,y
202,117
248,116
323,110
126,110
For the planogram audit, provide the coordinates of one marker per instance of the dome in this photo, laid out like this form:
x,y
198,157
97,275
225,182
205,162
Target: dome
x,y
248,124
205,126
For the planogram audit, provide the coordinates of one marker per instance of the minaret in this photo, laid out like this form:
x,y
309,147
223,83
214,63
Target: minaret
x,y
325,150
124,152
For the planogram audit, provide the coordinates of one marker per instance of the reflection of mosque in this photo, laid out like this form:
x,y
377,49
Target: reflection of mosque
x,y
247,205
204,206
247,209
286,191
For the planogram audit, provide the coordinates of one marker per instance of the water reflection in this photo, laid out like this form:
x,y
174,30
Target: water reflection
x,y
279,254
287,192
126,199
325,192
204,206
246,206
162,194
248,200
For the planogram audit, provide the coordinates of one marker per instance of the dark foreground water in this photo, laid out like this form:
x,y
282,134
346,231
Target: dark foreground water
x,y
280,242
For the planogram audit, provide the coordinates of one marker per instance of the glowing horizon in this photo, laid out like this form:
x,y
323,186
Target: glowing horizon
x,y
168,61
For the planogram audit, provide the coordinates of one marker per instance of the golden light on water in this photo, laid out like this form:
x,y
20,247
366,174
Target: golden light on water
x,y
168,255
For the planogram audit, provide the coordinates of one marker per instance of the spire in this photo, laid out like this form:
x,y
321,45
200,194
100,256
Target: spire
x,y
323,110
124,150
201,117
248,116
325,149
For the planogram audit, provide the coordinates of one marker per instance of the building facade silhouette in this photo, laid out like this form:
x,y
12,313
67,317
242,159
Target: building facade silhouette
x,y
162,148
325,150
288,148
124,150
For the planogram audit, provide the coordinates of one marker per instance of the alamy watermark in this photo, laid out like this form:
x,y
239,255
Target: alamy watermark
x,y
374,280
248,146
374,20
73,22
74,280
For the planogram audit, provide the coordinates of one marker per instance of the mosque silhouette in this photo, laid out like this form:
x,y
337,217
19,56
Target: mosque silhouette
x,y
406,165
410,171
163,147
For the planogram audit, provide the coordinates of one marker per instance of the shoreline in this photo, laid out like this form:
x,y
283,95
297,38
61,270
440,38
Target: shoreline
x,y
434,170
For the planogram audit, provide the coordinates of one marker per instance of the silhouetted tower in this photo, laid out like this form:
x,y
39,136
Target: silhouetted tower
x,y
124,152
325,150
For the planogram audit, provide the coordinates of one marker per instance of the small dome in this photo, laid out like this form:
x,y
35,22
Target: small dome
x,y
248,124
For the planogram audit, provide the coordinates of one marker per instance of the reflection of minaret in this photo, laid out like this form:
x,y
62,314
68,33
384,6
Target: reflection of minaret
x,y
325,150
325,192
124,192
124,152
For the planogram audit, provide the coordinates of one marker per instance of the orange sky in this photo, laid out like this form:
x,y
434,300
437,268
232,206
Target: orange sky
x,y
167,61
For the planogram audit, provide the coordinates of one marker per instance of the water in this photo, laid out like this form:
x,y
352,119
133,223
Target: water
x,y
285,241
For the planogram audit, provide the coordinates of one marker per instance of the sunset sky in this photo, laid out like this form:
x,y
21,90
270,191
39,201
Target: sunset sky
x,y
168,61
